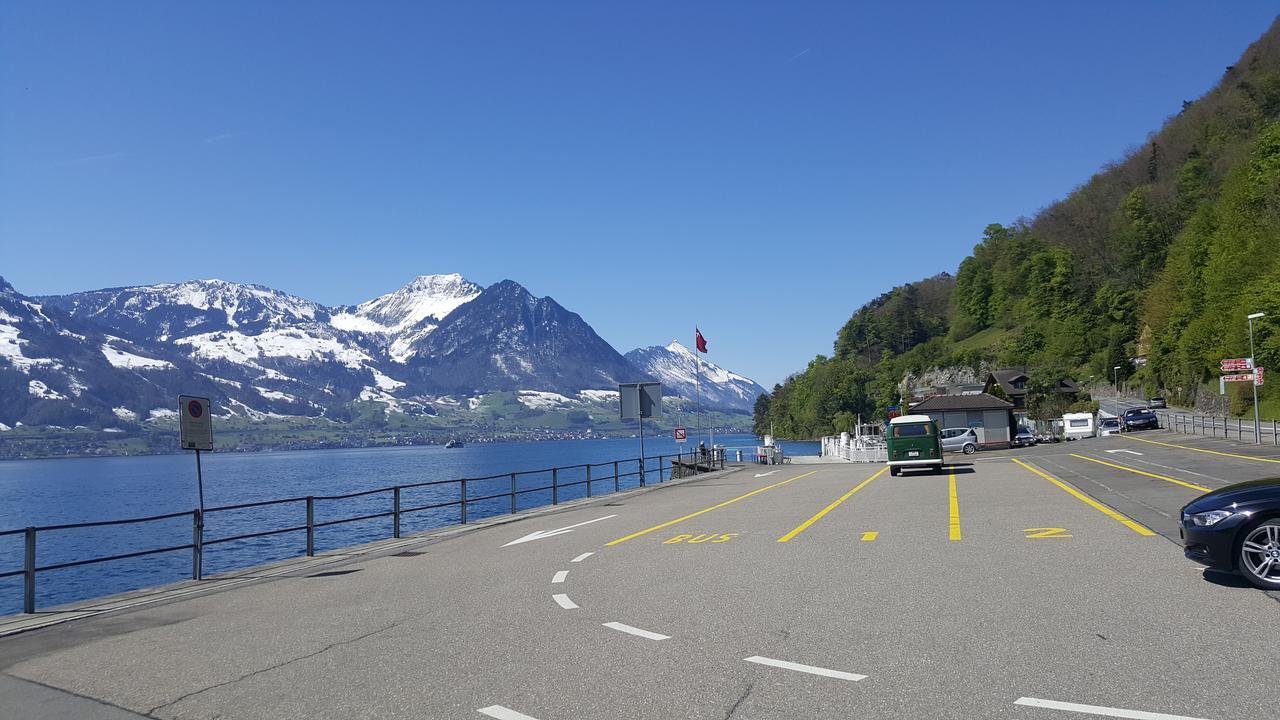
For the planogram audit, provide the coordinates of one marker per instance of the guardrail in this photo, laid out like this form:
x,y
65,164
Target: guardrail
x,y
711,460
1220,425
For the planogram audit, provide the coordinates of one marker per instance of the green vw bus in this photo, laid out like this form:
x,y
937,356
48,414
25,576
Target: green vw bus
x,y
913,441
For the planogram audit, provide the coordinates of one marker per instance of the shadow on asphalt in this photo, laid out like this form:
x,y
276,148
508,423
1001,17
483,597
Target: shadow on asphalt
x,y
1227,579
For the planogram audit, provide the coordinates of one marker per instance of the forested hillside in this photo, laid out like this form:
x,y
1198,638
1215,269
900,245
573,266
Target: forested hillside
x,y
1157,258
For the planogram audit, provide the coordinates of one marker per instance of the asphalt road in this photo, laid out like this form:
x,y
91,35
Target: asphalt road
x,y
1039,583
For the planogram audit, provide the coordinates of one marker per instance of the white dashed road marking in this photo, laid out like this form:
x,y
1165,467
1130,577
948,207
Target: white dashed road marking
x,y
812,670
560,576
582,557
1100,710
563,601
636,631
502,713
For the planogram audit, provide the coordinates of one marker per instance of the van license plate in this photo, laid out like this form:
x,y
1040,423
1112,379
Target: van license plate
x,y
913,453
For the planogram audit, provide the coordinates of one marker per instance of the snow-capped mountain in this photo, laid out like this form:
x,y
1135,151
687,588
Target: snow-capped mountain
x,y
121,356
401,319
673,365
507,339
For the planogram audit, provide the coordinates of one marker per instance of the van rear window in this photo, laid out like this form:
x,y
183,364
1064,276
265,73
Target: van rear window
x,y
912,430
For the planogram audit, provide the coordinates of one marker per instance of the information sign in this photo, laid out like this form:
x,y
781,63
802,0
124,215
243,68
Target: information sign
x,y
640,400
1243,377
1236,364
195,423
1257,376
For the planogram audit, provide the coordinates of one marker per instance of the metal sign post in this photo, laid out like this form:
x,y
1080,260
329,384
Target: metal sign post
x,y
639,401
195,430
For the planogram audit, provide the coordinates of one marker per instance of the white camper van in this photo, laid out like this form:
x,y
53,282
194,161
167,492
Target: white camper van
x,y
1078,425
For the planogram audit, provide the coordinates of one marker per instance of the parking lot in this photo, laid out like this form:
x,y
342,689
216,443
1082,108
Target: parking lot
x,y
1036,583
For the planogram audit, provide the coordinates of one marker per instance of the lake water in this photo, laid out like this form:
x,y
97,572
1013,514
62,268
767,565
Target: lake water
x,y
69,491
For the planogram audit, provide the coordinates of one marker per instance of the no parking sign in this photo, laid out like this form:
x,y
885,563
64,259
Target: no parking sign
x,y
681,435
195,423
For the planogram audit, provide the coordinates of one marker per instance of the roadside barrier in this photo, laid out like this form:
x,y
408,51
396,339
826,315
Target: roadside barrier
x,y
1220,426
682,464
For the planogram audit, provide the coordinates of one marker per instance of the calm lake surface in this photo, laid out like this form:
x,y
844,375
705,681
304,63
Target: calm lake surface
x,y
55,492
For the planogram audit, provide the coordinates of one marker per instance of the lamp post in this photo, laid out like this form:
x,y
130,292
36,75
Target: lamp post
x,y
1257,427
1115,380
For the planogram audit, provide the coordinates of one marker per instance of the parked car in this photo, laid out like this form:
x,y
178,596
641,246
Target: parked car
x,y
913,441
1024,438
1237,529
1157,402
1109,426
1140,419
964,440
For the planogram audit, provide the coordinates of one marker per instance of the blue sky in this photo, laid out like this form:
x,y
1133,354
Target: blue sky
x,y
761,169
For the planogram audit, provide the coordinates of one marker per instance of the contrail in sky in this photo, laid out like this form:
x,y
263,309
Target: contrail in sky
x,y
797,55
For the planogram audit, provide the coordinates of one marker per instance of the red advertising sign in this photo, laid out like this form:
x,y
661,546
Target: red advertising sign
x,y
1237,364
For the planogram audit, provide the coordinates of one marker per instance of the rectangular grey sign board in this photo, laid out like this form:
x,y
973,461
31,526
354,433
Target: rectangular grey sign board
x,y
640,400
195,423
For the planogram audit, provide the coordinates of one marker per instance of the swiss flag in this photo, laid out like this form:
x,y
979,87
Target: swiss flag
x,y
700,341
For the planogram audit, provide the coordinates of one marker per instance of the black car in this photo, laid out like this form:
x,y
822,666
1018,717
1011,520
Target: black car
x,y
1023,438
1140,419
1237,529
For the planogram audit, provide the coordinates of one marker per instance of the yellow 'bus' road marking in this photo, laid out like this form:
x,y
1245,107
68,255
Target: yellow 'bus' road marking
x,y
1089,501
669,523
955,508
805,525
1202,450
870,535
1193,486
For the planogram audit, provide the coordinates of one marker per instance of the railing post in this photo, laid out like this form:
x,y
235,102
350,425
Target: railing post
x,y
555,486
197,544
464,501
642,471
29,572
588,479
513,493
661,464
615,476
311,526
395,512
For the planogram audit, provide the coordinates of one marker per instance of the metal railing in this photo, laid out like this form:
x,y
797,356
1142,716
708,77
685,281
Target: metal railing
x,y
682,464
867,449
1220,426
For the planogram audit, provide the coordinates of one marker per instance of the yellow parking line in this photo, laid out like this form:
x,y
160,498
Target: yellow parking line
x,y
1089,501
955,509
1202,450
1193,486
707,510
870,535
805,525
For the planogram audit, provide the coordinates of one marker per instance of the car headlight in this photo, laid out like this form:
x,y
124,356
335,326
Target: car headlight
x,y
1212,517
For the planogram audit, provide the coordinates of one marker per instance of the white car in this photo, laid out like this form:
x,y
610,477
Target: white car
x,y
963,439
1109,426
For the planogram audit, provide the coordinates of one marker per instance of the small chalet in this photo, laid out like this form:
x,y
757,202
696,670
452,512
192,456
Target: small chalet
x,y
1013,381
988,415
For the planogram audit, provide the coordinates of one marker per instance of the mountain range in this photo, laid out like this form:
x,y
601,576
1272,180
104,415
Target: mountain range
x,y
120,355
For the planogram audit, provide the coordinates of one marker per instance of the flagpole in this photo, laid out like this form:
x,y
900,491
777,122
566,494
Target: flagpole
x,y
697,380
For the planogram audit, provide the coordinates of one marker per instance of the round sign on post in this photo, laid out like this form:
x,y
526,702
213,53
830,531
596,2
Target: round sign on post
x,y
681,435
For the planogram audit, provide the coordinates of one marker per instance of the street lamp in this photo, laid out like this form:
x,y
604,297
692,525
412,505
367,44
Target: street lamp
x,y
1257,427
1115,380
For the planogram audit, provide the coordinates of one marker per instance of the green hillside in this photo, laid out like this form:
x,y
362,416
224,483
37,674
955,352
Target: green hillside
x,y
1159,256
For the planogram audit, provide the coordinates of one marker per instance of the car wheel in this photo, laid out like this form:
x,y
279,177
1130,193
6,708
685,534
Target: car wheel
x,y
1260,554
969,449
